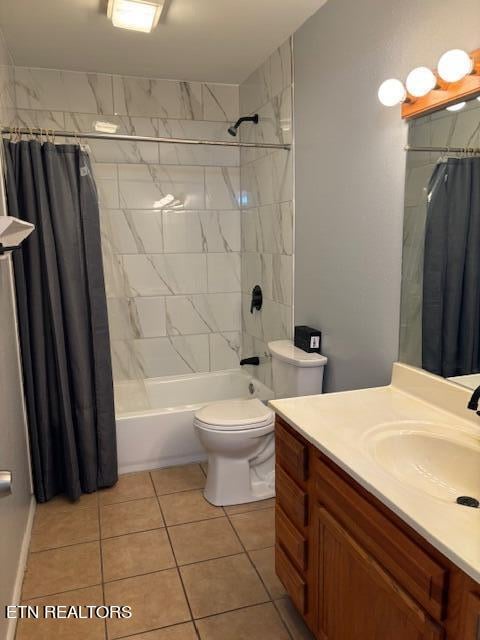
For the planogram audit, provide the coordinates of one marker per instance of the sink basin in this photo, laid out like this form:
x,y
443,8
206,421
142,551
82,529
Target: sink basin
x,y
435,459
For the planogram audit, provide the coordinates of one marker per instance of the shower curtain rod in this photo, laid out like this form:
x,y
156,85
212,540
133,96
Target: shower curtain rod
x,y
130,138
445,149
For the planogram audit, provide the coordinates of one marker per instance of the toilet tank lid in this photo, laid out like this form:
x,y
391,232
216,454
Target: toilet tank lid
x,y
285,350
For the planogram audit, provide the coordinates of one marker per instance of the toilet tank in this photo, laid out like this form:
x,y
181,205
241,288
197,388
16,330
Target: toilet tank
x,y
294,371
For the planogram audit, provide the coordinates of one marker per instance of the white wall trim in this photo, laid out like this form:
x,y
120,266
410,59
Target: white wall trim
x,y
22,564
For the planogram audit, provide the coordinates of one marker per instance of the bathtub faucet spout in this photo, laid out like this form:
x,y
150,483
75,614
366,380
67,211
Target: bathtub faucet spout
x,y
255,360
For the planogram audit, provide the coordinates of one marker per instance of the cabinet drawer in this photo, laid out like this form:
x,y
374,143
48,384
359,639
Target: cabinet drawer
x,y
290,539
291,452
291,579
410,565
292,499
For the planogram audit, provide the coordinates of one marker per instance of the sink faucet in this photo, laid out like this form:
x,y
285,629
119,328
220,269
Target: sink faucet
x,y
474,400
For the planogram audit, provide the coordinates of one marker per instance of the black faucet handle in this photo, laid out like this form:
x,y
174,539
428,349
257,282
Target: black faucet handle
x,y
257,298
474,400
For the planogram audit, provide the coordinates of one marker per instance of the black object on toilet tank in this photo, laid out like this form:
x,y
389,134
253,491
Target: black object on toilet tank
x,y
308,339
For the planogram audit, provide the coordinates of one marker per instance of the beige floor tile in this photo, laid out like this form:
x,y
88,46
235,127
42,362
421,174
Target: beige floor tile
x,y
205,540
132,486
157,600
137,553
61,503
70,629
129,517
264,561
261,622
188,506
64,569
216,586
250,506
175,479
293,620
178,632
58,529
256,528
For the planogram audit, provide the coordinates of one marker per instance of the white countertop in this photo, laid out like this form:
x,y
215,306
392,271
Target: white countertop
x,y
337,424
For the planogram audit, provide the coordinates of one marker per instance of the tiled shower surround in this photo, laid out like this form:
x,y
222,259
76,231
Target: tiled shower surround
x,y
170,214
441,129
7,92
266,181
179,265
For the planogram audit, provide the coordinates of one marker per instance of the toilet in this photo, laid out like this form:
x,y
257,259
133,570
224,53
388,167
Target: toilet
x,y
238,435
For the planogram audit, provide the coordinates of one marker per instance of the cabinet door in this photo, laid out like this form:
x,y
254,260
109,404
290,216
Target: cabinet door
x,y
356,598
472,628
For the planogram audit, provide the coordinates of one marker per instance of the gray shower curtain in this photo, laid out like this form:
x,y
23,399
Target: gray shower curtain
x,y
62,317
451,278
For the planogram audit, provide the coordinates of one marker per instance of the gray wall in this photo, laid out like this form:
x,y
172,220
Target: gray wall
x,y
350,171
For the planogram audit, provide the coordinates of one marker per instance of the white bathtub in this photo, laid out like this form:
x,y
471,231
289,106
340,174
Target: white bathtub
x,y
159,432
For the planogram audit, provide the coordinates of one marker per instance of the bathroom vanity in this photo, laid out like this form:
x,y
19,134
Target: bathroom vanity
x,y
364,553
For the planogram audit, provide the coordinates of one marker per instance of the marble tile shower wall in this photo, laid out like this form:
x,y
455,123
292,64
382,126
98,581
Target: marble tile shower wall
x,y
441,129
266,181
170,213
7,87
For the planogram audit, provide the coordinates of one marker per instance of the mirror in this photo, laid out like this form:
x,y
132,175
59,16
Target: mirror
x,y
440,303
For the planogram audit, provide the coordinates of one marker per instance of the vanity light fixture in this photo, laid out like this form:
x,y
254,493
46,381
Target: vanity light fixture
x,y
392,92
454,65
456,80
420,81
137,15
456,107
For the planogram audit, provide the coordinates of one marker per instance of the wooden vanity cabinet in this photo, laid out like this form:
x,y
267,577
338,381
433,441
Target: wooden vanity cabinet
x,y
353,569
472,620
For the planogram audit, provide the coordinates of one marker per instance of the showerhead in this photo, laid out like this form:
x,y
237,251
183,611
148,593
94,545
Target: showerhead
x,y
232,130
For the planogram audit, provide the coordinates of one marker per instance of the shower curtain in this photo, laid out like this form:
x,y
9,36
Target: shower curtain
x,y
451,280
62,316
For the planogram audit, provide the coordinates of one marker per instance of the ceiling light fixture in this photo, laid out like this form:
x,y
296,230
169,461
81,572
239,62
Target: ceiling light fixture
x,y
105,127
137,15
454,65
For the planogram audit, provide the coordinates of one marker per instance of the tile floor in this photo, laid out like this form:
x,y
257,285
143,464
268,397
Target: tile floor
x,y
188,570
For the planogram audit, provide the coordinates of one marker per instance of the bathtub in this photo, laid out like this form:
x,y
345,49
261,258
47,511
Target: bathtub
x,y
155,416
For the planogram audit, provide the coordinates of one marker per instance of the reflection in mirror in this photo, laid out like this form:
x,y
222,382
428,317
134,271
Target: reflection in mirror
x,y
440,306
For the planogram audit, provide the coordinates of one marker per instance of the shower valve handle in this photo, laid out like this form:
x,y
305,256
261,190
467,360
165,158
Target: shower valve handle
x,y
257,298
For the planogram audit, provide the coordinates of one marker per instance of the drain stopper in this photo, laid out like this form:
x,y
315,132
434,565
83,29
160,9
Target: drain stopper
x,y
468,501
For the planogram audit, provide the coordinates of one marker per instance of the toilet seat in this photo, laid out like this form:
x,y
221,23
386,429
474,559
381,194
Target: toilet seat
x,y
235,415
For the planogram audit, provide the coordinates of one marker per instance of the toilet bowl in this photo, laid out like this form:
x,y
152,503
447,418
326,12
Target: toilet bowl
x,y
238,435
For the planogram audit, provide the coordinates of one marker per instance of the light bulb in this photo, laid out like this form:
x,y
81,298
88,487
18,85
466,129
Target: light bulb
x,y
392,92
456,107
420,81
454,65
